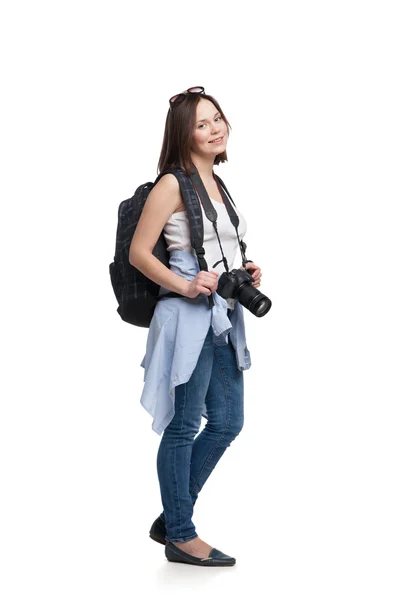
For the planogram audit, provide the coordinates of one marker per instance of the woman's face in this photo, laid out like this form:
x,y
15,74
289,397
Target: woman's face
x,y
209,126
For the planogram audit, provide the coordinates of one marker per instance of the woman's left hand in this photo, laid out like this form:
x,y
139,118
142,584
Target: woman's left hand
x,y
255,272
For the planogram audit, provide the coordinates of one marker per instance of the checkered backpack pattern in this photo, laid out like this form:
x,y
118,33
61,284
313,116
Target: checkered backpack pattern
x,y
137,295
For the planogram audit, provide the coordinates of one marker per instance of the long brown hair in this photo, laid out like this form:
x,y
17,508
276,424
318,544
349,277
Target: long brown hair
x,y
179,131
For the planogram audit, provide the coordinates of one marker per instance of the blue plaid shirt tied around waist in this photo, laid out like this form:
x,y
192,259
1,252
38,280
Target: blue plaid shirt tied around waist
x,y
175,339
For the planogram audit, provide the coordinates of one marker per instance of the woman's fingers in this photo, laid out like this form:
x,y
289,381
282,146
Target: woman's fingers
x,y
255,272
207,282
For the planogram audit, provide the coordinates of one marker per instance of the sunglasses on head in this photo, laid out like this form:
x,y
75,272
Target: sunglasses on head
x,y
179,97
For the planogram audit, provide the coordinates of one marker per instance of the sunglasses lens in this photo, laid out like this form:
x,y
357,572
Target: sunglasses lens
x,y
181,96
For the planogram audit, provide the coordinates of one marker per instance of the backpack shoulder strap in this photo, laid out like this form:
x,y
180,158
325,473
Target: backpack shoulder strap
x,y
195,217
194,214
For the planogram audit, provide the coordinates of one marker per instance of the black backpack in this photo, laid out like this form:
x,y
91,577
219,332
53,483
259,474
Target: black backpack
x,y
137,295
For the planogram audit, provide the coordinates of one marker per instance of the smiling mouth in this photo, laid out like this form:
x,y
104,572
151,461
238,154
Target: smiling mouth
x,y
217,141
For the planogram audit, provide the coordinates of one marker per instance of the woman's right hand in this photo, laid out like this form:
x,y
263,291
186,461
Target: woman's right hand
x,y
205,282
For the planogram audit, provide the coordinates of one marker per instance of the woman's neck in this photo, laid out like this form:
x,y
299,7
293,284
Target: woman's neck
x,y
204,167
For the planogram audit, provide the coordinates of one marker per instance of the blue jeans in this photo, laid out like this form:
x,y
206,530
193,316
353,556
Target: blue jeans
x,y
185,463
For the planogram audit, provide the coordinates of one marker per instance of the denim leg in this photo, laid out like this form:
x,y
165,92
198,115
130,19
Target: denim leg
x,y
175,450
225,410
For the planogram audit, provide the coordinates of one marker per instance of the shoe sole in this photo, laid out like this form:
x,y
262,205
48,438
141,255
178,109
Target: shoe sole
x,y
184,562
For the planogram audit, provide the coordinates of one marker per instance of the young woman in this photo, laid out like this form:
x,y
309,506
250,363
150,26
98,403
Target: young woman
x,y
195,355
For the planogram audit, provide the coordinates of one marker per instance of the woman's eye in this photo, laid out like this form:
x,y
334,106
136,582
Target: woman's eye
x,y
203,124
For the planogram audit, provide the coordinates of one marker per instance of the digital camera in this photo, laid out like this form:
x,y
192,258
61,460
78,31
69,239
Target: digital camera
x,y
237,284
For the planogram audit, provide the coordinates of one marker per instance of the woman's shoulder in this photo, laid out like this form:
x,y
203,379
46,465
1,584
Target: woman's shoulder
x,y
171,187
167,183
165,194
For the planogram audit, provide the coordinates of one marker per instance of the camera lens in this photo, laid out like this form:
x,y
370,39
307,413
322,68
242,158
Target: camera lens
x,y
261,307
256,302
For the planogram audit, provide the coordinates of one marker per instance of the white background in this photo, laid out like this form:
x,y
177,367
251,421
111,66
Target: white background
x,y
307,496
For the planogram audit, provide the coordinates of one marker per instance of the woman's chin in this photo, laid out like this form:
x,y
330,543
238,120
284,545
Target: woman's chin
x,y
219,150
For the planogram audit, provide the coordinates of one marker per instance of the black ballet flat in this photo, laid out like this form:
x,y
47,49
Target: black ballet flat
x,y
216,558
158,531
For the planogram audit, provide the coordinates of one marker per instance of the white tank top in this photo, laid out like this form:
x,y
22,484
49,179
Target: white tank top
x,y
177,235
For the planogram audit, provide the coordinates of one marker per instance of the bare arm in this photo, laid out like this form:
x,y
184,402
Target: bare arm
x,y
162,201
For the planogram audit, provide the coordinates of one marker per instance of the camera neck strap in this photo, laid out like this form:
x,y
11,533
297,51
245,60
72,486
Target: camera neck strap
x,y
212,214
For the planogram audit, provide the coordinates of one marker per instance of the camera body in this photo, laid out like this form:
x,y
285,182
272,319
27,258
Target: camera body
x,y
237,284
229,283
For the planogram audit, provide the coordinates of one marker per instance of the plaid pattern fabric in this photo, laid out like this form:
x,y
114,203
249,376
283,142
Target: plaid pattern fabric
x,y
137,295
192,205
